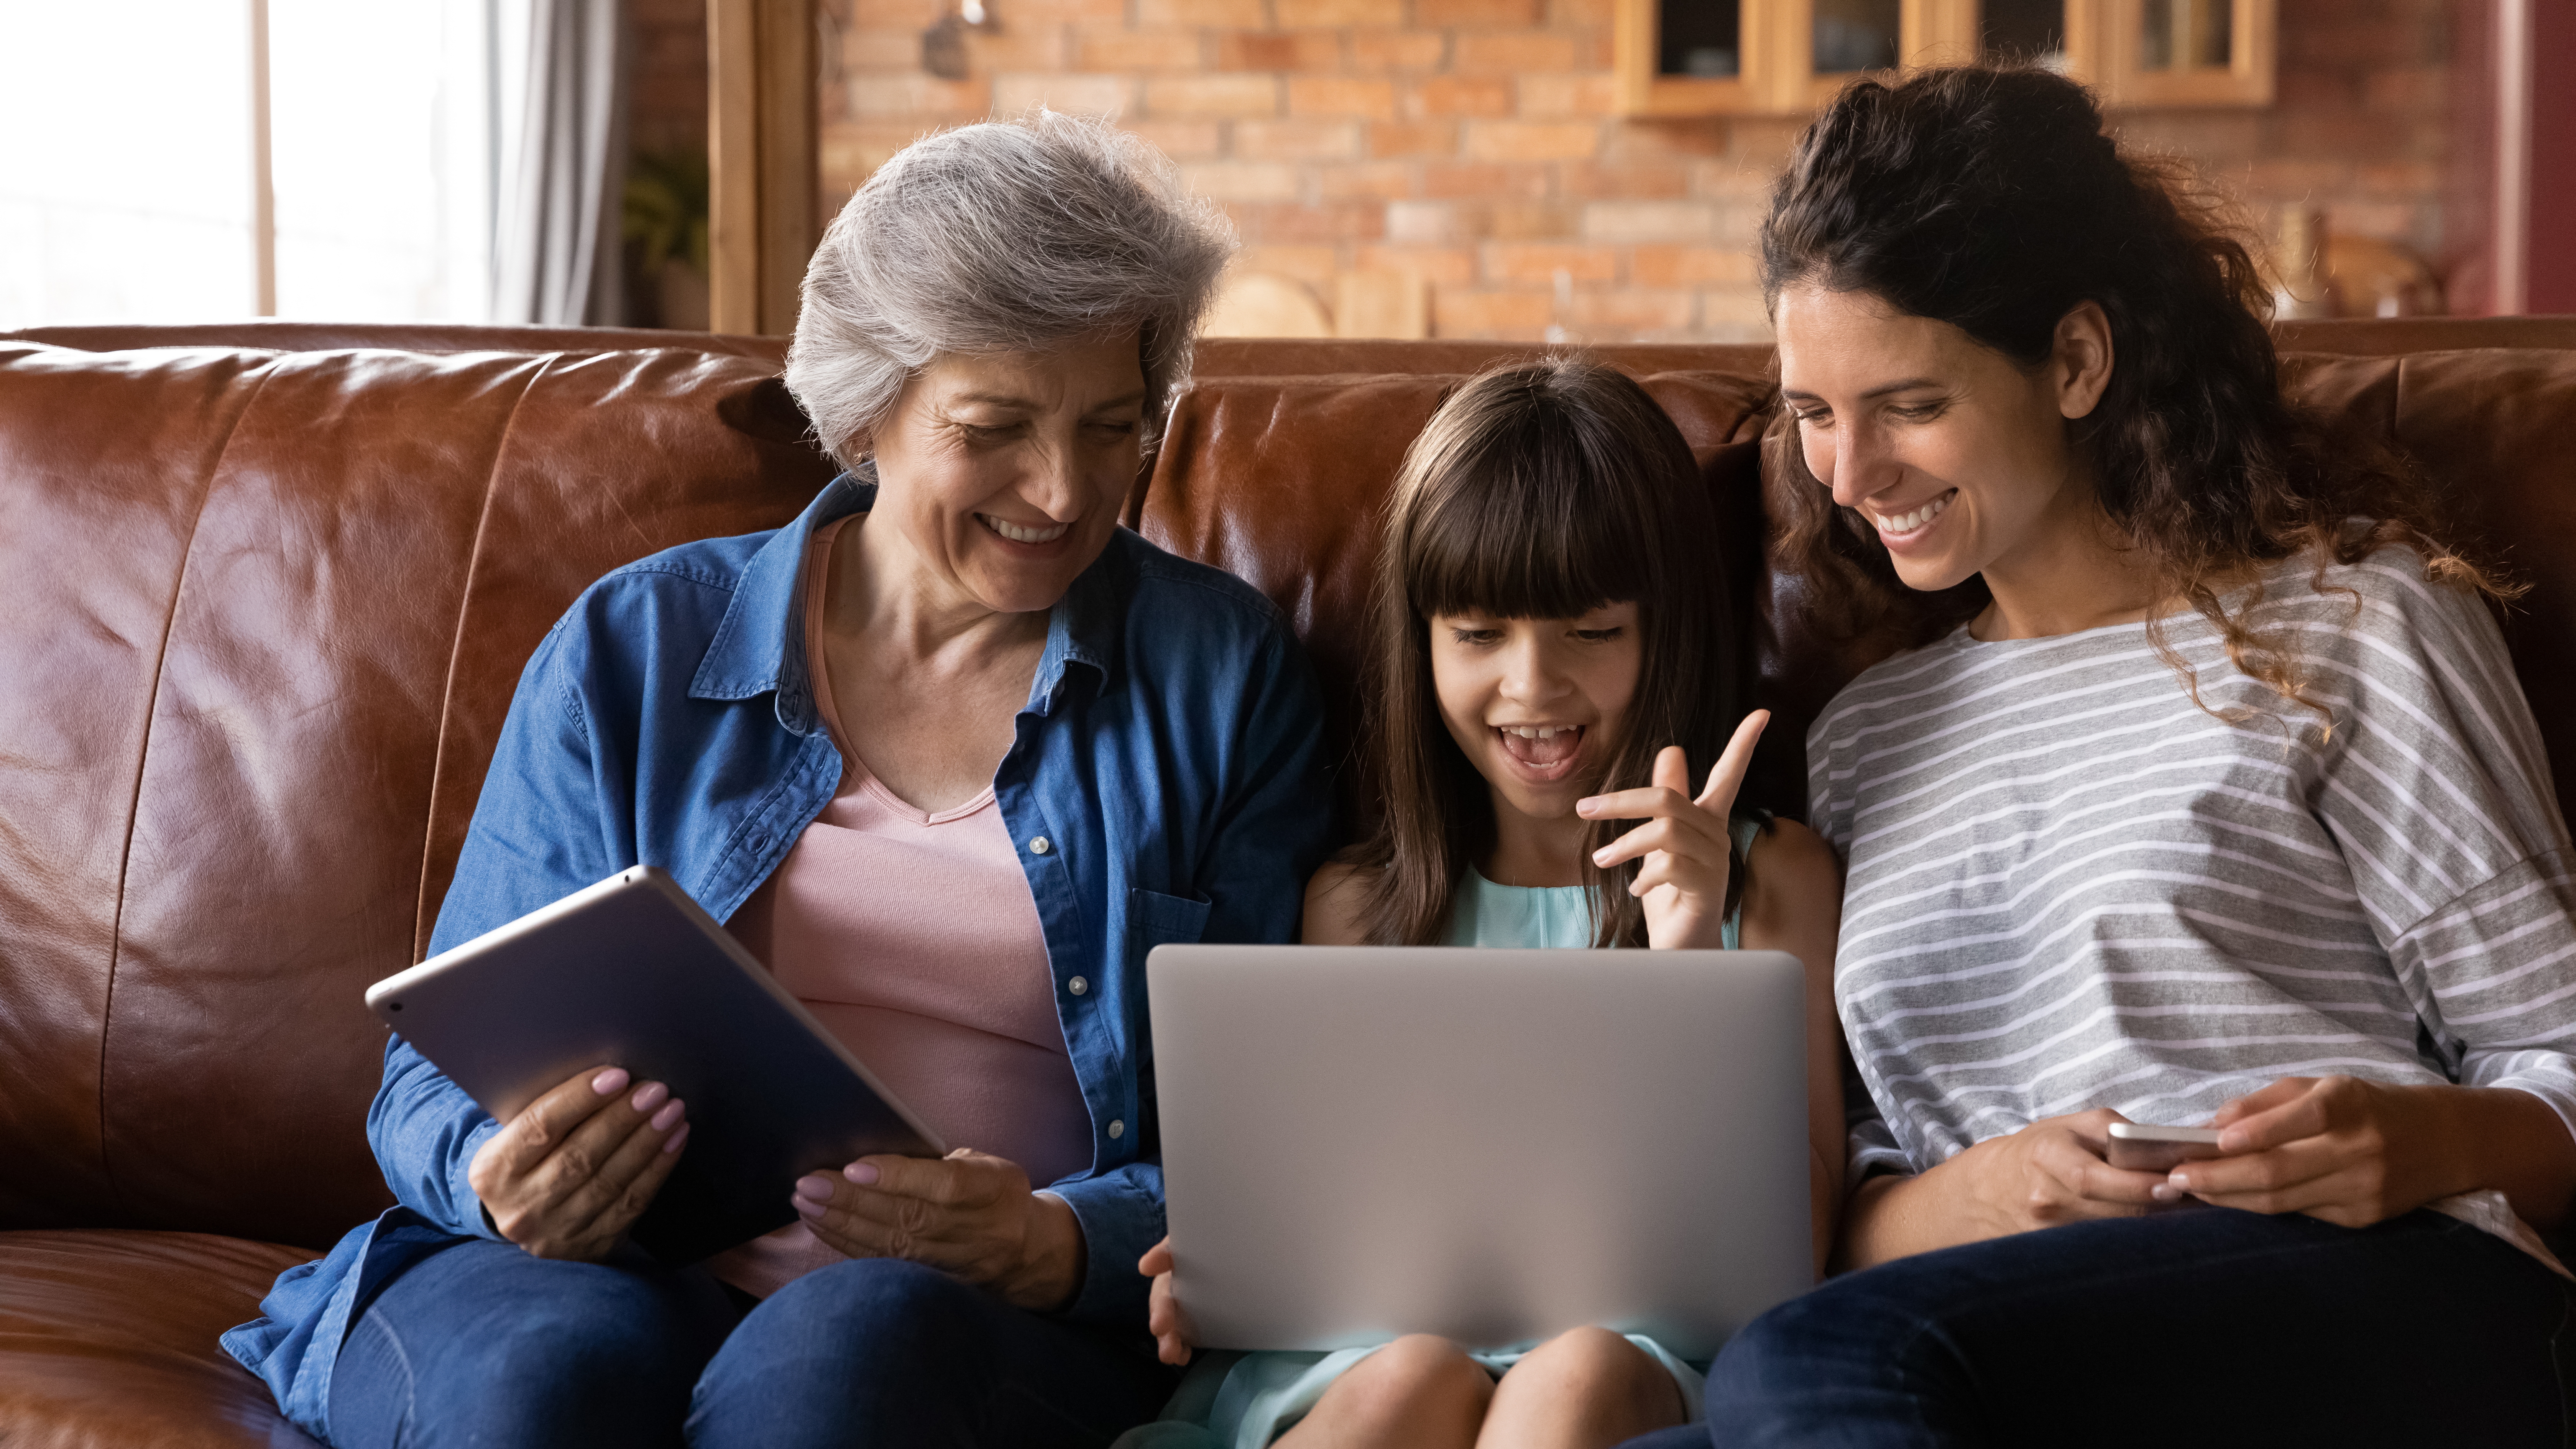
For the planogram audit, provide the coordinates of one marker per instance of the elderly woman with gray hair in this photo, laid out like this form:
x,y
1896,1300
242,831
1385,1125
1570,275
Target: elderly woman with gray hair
x,y
950,753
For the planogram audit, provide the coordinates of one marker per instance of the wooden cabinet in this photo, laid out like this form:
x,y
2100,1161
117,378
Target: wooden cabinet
x,y
1775,57
2181,52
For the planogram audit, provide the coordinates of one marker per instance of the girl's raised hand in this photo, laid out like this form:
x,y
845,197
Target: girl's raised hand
x,y
1173,1333
1684,844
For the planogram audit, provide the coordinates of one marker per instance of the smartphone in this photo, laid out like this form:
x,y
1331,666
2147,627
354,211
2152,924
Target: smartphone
x,y
2139,1147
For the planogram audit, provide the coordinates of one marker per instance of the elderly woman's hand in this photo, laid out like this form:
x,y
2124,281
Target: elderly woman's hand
x,y
569,1175
969,1214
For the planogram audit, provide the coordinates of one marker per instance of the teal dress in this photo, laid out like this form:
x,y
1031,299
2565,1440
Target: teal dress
x,y
1245,1400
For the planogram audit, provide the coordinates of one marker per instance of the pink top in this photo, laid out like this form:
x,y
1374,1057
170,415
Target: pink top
x,y
914,939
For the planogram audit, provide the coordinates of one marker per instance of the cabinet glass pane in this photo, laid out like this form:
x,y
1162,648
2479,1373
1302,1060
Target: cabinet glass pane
x,y
2213,27
2155,35
1855,35
2193,34
1699,37
2023,30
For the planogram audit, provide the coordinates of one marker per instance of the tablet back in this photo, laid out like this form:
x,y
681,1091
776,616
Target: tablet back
x,y
1490,1145
631,973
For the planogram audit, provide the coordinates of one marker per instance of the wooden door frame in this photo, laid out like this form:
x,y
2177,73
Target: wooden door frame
x,y
762,176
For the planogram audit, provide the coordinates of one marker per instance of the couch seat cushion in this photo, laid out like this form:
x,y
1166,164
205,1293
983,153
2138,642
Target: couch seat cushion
x,y
108,1339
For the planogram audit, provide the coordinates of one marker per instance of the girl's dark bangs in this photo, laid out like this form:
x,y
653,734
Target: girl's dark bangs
x,y
1530,528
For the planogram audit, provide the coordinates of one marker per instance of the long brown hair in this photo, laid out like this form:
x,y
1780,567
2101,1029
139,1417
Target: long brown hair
x,y
1541,490
1992,198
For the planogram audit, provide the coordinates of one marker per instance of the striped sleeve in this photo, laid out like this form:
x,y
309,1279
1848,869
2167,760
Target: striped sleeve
x,y
2441,796
2499,967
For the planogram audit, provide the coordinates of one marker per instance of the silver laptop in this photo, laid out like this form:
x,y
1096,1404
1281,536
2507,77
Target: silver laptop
x,y
1489,1145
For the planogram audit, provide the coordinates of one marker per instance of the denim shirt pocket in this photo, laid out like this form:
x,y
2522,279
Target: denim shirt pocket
x,y
1162,920
1158,920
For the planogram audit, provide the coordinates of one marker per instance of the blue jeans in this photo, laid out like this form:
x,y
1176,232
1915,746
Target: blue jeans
x,y
484,1345
2207,1326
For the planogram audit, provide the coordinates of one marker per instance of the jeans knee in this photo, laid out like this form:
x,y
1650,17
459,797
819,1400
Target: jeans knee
x,y
890,1352
895,1309
588,1356
1843,1343
869,1328
615,1336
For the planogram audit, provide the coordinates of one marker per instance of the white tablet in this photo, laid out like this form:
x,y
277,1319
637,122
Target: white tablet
x,y
631,973
1490,1145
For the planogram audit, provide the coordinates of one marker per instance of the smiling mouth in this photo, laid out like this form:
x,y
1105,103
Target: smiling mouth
x,y
1542,748
1918,518
1021,533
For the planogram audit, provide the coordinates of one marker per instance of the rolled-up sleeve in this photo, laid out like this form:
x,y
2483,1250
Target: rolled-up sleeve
x,y
535,839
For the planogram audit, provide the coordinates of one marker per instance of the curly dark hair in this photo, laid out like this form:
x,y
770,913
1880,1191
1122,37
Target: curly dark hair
x,y
1991,198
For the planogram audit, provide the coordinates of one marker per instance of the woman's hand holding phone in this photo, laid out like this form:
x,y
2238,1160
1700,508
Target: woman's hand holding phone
x,y
2051,1172
570,1174
2055,1170
1174,1334
1684,846
2340,1149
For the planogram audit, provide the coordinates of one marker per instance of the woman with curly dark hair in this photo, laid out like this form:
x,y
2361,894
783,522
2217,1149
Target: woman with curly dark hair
x,y
2205,797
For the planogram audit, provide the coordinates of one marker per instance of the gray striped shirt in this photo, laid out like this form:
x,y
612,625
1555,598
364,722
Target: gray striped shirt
x,y
2072,888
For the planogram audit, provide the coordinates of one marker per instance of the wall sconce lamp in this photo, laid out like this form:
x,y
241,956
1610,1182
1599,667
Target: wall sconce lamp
x,y
943,45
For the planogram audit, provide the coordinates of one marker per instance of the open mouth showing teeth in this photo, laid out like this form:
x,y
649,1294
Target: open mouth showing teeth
x,y
1541,745
1908,522
1019,534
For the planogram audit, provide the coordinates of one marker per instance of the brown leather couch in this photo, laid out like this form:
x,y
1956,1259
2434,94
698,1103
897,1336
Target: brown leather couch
x,y
264,592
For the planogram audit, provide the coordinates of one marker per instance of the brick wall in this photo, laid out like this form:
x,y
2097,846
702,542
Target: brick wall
x,y
2360,129
1473,142
667,102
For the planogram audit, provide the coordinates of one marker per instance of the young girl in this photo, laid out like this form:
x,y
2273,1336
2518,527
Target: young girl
x,y
1550,623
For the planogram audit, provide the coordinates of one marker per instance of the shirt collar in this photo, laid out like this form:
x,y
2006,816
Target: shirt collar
x,y
759,647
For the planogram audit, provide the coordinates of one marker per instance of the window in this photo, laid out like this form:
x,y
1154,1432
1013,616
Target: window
x,y
134,190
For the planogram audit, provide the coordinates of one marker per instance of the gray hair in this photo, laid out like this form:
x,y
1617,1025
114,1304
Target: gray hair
x,y
1006,236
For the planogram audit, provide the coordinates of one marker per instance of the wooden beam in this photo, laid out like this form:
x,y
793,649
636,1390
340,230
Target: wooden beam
x,y
263,184
733,166
761,161
789,173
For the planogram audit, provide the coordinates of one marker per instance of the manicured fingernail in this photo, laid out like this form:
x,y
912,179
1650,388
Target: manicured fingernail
x,y
862,1173
672,1144
815,1188
649,1096
1585,806
1601,856
2179,1183
609,1083
671,1112
810,1208
2165,1192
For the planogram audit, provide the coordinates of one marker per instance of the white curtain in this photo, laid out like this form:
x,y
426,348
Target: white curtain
x,y
556,242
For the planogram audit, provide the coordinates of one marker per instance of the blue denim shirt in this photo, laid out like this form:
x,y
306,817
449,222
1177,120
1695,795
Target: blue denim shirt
x,y
1165,785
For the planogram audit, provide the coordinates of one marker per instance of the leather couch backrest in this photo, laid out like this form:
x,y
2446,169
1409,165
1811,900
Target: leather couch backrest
x,y
260,618
1281,479
262,610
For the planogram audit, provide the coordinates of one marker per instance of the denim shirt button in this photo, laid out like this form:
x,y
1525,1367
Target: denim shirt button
x,y
1039,845
1077,986
1117,1129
